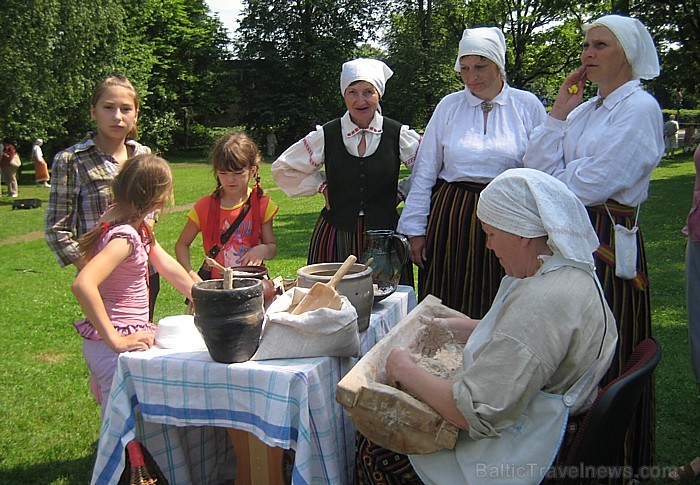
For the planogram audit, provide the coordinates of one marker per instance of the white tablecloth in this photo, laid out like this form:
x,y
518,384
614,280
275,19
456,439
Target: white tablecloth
x,y
178,405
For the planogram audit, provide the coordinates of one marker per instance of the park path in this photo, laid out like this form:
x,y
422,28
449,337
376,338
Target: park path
x,y
35,235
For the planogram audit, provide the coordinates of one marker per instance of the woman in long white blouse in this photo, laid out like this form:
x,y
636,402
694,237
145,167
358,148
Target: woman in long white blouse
x,y
361,155
474,135
605,149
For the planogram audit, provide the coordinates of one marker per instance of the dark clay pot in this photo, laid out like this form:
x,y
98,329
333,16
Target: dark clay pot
x,y
230,321
260,273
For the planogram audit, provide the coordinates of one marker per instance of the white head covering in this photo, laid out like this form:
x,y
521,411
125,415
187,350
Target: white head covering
x,y
530,203
488,42
38,141
636,43
373,71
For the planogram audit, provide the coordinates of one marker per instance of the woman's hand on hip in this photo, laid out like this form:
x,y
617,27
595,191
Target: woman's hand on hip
x,y
418,254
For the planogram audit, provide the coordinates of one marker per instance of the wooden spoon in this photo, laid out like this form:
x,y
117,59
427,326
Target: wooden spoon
x,y
324,295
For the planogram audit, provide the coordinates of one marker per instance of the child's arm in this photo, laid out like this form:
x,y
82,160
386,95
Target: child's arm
x,y
88,295
182,248
266,250
171,269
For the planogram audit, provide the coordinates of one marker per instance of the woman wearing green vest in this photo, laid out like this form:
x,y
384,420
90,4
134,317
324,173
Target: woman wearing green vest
x,y
360,154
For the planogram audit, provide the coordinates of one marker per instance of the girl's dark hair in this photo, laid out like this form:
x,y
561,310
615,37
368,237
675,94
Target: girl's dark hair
x,y
143,183
235,151
120,82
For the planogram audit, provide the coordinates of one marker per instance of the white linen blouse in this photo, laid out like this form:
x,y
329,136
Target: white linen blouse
x,y
298,172
457,147
604,153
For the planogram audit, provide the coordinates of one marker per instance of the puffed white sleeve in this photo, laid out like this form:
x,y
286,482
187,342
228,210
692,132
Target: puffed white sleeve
x,y
424,174
298,170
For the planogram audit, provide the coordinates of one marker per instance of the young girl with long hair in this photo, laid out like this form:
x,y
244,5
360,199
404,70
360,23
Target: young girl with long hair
x,y
112,287
235,220
81,175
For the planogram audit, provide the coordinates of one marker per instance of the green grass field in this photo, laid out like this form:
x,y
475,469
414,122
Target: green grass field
x,y
50,422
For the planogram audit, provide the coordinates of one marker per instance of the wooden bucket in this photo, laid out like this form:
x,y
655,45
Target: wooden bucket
x,y
388,416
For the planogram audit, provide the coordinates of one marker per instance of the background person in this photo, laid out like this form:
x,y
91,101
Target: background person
x,y
8,165
548,327
41,170
671,135
604,150
361,154
82,174
473,135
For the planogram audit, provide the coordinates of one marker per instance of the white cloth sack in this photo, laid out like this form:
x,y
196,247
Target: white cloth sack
x,y
625,252
15,162
322,332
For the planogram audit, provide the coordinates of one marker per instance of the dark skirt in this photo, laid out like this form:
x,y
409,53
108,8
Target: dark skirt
x,y
630,303
459,270
331,245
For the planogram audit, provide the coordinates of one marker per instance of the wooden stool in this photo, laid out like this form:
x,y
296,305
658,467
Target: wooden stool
x,y
256,463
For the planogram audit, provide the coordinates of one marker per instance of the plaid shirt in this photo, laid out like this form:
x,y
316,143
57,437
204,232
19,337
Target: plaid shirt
x,y
80,193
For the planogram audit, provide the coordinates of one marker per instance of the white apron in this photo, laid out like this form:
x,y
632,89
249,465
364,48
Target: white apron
x,y
525,451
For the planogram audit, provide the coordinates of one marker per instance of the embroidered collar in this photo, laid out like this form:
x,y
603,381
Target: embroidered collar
x,y
349,129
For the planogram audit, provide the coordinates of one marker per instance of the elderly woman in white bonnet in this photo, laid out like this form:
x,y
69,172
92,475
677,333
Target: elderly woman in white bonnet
x,y
549,331
473,135
41,169
604,150
361,154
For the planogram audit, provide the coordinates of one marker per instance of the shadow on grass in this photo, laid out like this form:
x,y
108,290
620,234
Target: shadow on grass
x,y
65,471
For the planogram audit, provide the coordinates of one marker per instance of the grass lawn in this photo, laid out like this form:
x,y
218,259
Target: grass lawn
x,y
50,423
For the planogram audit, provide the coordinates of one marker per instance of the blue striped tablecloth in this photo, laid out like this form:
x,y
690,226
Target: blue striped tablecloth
x,y
179,404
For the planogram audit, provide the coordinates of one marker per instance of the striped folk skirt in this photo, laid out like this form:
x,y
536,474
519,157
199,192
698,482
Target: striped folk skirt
x,y
630,303
331,245
459,270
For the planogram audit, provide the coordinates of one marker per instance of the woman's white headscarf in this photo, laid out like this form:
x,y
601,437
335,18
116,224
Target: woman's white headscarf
x,y
373,71
488,42
530,203
636,43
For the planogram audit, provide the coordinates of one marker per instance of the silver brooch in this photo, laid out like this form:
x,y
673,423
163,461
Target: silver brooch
x,y
599,102
486,106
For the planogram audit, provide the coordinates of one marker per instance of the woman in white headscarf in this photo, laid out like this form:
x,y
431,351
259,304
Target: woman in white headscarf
x,y
361,154
41,170
604,150
473,135
549,330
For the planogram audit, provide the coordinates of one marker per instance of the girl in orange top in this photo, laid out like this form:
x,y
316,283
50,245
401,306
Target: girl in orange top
x,y
251,240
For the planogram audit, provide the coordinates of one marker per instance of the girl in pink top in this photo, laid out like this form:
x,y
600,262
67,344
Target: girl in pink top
x,y
112,288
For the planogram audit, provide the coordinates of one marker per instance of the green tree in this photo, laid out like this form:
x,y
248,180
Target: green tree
x,y
676,30
543,39
289,59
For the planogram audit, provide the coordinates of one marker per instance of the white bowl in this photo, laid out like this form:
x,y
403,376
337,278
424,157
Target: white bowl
x,y
179,332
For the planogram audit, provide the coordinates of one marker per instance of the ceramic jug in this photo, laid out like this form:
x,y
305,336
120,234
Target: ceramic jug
x,y
389,252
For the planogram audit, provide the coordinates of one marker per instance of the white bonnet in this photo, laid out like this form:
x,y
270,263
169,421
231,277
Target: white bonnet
x,y
530,203
488,42
38,141
636,43
373,71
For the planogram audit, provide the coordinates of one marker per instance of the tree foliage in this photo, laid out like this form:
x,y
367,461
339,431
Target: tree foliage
x,y
55,51
289,57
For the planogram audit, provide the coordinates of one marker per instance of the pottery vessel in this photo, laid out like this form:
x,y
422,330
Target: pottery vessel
x,y
230,321
356,286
